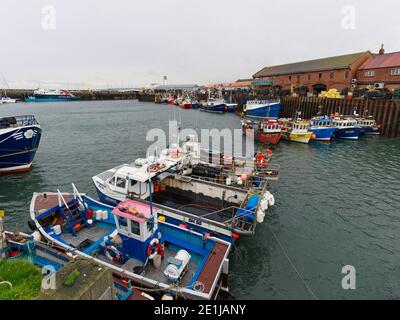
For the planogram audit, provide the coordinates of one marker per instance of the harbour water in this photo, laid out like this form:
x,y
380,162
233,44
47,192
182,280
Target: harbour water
x,y
336,204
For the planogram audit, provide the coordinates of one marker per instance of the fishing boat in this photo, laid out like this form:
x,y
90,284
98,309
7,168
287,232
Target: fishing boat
x,y
368,126
296,131
186,103
42,95
134,241
225,205
322,128
213,105
346,128
19,141
264,132
231,107
262,109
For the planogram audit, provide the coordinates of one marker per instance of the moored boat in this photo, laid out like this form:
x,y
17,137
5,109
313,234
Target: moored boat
x,y
262,109
264,132
133,240
296,131
368,126
19,141
42,95
322,128
346,128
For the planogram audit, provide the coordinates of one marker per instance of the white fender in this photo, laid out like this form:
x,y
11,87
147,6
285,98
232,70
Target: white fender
x,y
260,215
271,200
264,204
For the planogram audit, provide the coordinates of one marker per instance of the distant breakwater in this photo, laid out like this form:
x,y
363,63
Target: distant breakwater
x,y
82,94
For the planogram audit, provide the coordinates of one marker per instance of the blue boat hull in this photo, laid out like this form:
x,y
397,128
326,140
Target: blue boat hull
x,y
219,108
323,133
55,99
349,134
18,148
265,111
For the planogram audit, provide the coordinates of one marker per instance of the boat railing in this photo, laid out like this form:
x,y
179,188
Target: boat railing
x,y
18,121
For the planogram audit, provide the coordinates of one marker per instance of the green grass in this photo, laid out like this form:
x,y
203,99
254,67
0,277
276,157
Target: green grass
x,y
25,278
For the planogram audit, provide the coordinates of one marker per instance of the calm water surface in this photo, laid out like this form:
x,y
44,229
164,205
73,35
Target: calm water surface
x,y
336,204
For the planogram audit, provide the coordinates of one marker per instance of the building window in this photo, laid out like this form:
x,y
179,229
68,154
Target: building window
x,y
298,79
309,77
395,72
346,74
290,78
320,76
370,73
331,75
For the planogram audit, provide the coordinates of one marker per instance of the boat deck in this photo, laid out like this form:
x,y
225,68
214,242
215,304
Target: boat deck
x,y
45,202
85,237
194,203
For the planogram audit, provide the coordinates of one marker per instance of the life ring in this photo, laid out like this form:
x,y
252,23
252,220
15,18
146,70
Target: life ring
x,y
152,248
117,255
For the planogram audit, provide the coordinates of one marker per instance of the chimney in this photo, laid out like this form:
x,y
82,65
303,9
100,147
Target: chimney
x,y
382,50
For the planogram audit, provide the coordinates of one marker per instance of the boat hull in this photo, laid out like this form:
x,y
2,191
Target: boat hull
x,y
348,134
323,133
270,110
264,137
218,108
299,137
186,106
18,147
51,99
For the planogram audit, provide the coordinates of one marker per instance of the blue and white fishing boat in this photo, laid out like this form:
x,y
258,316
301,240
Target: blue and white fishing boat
x,y
224,209
263,109
346,128
213,105
19,141
231,107
368,126
42,95
134,241
322,128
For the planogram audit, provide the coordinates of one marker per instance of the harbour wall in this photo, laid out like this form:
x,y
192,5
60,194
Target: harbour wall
x,y
385,112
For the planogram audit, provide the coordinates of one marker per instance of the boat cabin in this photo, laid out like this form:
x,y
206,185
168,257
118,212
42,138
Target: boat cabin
x,y
344,123
321,122
271,126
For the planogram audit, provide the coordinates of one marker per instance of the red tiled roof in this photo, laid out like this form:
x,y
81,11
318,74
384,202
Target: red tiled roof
x,y
388,60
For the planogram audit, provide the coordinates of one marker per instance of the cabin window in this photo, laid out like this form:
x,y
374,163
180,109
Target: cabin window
x,y
135,227
123,223
395,72
112,181
121,183
133,183
370,73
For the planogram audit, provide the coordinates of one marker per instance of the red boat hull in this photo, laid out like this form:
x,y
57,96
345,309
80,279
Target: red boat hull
x,y
186,106
263,137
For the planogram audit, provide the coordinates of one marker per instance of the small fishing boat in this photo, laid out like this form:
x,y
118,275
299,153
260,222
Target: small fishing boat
x,y
196,105
19,141
296,131
346,128
264,132
368,126
262,109
322,128
231,107
134,241
186,104
213,105
7,100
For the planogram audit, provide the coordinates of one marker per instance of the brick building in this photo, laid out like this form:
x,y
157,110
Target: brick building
x,y
381,70
316,75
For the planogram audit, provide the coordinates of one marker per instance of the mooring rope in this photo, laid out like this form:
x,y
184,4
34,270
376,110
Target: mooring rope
x,y
293,266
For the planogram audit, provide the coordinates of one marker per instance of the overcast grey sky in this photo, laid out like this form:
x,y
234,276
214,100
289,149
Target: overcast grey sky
x,y
132,42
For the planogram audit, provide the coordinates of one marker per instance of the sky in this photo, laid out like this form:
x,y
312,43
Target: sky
x,y
75,44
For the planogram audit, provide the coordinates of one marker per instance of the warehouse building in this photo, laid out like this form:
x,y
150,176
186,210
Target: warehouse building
x,y
314,76
381,71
